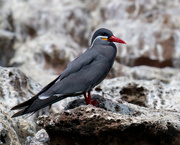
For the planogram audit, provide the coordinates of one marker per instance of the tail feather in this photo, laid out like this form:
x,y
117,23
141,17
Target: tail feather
x,y
19,113
25,104
39,104
34,105
29,103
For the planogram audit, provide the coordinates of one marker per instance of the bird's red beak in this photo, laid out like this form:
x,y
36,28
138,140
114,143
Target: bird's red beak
x,y
115,39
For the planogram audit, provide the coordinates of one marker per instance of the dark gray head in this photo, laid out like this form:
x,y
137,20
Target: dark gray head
x,y
105,36
102,32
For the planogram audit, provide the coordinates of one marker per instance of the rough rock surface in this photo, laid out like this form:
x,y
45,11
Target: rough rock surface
x,y
88,125
40,138
155,111
15,87
7,132
14,131
160,89
42,37
134,109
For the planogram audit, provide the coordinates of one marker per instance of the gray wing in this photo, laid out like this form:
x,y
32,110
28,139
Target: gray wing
x,y
78,63
81,75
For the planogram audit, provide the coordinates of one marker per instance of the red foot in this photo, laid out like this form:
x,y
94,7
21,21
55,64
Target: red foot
x,y
94,103
88,99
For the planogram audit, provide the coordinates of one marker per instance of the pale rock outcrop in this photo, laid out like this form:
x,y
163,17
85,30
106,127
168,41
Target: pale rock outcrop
x,y
15,87
8,134
14,131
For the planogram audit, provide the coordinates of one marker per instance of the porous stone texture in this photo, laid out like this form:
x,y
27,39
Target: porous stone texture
x,y
7,132
158,90
133,109
40,138
41,37
15,87
14,131
88,125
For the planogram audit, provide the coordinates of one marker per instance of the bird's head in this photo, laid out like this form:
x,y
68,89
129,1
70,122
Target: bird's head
x,y
105,35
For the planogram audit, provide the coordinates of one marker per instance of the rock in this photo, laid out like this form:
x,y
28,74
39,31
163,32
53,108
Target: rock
x,y
144,73
7,133
46,46
7,35
40,138
129,20
14,131
136,102
53,34
113,104
42,37
90,125
145,86
44,55
15,87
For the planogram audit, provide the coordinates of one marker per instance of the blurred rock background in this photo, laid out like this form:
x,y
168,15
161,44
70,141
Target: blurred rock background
x,y
41,37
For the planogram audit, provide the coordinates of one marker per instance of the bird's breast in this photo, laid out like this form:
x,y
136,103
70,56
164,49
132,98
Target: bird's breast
x,y
108,51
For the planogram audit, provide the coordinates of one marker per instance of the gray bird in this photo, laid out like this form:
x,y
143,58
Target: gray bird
x,y
80,76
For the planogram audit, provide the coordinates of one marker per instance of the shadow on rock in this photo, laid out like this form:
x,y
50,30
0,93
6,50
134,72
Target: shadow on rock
x,y
106,104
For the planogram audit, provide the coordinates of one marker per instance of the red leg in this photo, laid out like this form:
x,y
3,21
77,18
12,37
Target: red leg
x,y
89,97
86,99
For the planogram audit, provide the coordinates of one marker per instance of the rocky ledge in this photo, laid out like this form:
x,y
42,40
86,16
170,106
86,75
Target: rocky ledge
x,y
133,109
138,109
88,125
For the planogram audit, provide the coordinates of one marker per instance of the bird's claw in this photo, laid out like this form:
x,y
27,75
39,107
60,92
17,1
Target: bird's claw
x,y
94,103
